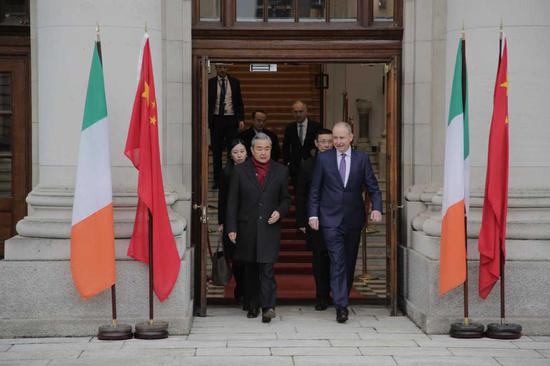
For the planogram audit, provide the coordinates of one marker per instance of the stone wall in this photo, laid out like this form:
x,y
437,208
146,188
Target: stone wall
x,y
38,296
440,24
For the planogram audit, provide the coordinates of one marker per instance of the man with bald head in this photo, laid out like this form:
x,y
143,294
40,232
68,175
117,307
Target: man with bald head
x,y
299,139
336,207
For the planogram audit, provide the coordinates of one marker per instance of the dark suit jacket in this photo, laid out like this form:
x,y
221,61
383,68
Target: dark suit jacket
x,y
248,135
236,98
335,204
293,151
249,206
303,185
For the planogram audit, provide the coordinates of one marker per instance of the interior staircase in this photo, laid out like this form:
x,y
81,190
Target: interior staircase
x,y
274,93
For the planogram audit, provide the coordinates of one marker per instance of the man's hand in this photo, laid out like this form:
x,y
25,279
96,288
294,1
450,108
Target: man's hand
x,y
314,223
376,216
275,216
232,237
220,228
302,229
241,125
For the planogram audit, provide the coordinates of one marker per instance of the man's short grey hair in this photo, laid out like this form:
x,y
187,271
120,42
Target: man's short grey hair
x,y
343,124
261,136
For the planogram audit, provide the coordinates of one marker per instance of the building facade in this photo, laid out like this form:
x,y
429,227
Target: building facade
x,y
36,290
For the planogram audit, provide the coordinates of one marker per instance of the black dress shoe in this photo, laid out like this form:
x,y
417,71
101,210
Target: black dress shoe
x,y
320,306
253,313
267,315
342,315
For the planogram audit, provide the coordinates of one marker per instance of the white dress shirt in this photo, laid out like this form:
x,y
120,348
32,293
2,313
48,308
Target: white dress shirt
x,y
304,130
228,98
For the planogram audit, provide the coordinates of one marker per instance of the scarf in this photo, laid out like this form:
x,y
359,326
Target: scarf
x,y
261,170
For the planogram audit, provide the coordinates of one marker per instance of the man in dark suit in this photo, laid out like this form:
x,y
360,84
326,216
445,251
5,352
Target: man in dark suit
x,y
225,115
336,206
314,239
298,142
259,119
258,199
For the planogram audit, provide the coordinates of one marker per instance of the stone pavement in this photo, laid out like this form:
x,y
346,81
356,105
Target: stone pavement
x,y
298,336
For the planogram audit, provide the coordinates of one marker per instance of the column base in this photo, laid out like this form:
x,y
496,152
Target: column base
x,y
39,299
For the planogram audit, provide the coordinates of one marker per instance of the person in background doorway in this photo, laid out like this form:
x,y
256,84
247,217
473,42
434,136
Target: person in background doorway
x,y
298,143
258,200
314,238
259,121
225,115
336,206
238,156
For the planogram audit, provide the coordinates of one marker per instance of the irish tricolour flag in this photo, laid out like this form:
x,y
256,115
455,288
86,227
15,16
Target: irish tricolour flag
x,y
92,233
452,271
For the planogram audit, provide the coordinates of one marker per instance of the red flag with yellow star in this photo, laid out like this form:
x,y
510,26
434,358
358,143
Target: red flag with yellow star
x,y
495,205
142,148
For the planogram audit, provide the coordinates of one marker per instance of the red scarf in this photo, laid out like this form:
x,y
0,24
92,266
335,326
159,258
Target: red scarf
x,y
261,170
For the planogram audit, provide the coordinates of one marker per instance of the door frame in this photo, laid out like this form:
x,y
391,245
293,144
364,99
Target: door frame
x,y
16,63
299,51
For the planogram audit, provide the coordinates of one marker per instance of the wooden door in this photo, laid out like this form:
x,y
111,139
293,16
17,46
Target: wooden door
x,y
200,183
14,145
392,174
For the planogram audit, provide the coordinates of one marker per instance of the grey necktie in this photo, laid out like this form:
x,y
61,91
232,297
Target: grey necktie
x,y
301,132
342,168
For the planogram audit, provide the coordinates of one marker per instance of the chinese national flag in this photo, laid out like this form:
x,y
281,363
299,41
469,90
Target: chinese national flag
x,y
493,223
142,148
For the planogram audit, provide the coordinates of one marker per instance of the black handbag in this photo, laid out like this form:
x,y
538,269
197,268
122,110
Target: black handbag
x,y
221,271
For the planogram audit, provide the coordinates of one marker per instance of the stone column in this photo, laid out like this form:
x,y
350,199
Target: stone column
x,y
528,254
35,278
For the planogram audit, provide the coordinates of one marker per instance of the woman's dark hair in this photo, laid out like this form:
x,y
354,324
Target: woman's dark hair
x,y
235,142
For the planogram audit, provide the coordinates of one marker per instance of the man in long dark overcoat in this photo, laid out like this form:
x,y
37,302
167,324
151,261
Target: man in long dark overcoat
x,y
258,200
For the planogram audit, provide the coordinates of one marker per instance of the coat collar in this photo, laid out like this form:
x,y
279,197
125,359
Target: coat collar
x,y
250,172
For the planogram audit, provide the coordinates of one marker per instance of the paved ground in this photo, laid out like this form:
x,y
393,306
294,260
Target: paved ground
x,y
298,336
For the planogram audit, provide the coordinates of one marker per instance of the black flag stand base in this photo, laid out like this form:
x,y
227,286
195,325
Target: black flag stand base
x,y
503,331
466,330
115,332
152,329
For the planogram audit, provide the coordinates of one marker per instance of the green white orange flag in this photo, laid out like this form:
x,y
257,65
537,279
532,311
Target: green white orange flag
x,y
452,262
92,232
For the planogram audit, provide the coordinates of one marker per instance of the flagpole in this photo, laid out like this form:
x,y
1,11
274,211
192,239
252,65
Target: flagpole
x,y
113,287
115,331
465,329
151,315
151,329
502,267
464,80
502,330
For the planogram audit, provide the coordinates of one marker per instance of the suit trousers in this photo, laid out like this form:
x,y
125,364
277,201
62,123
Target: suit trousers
x,y
321,267
260,286
223,130
342,246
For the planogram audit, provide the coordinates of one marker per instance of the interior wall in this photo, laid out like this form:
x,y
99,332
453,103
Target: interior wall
x,y
361,81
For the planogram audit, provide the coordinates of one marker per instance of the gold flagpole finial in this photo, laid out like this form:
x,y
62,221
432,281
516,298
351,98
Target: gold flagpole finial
x,y
146,27
97,30
463,33
501,28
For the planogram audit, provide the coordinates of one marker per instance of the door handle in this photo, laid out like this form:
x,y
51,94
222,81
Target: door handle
x,y
204,212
